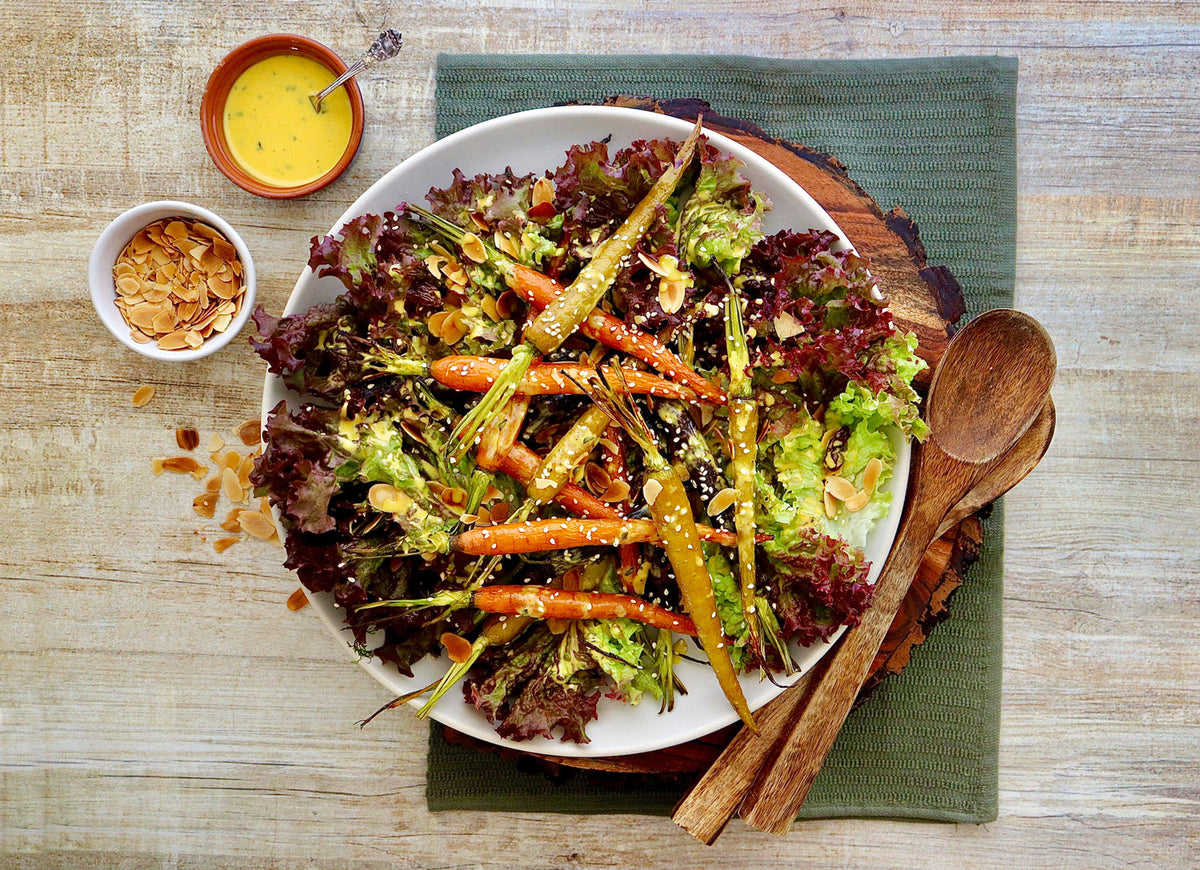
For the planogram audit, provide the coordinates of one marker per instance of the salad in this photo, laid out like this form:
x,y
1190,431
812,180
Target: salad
x,y
558,422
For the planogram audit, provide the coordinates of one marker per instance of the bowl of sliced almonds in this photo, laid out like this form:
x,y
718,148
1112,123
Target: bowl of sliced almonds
x,y
172,280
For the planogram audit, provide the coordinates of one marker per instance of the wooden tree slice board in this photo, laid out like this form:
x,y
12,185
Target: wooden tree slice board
x,y
924,299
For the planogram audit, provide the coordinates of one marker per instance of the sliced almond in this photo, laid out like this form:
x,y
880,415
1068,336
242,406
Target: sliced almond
x,y
597,479
473,247
651,491
839,488
223,544
182,465
787,326
617,492
230,523
215,442
297,601
831,507
187,439
858,501
871,475
457,648
722,501
256,525
142,395
671,295
231,486
205,504
543,192
506,245
249,431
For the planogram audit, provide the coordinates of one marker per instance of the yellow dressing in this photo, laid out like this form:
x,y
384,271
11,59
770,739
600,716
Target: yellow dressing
x,y
271,128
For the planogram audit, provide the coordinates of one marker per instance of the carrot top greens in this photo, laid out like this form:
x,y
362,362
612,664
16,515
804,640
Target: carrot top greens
x,y
556,563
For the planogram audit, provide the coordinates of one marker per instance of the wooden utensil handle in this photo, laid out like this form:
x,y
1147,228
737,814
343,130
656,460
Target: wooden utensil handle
x,y
779,790
708,806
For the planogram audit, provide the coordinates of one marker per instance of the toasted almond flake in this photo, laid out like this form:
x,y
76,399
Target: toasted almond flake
x,y
244,469
871,475
182,465
671,295
507,304
140,337
213,484
651,490
617,492
249,431
506,245
142,395
297,600
187,439
787,326
473,247
205,504
255,525
597,479
174,341
457,648
543,192
857,502
215,442
231,486
839,487
223,544
831,507
722,501
156,465
230,523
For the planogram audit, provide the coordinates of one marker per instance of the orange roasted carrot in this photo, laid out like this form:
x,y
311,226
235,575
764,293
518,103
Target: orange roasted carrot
x,y
539,290
535,536
476,374
545,602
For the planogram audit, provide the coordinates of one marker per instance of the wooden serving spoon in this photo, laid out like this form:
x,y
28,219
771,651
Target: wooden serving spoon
x,y
713,800
990,386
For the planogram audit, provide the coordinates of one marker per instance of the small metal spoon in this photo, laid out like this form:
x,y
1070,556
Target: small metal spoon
x,y
387,46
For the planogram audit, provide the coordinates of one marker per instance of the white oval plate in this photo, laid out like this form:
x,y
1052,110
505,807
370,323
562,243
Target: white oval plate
x,y
535,141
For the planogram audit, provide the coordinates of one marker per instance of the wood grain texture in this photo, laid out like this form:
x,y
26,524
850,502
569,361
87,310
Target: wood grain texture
x,y
159,707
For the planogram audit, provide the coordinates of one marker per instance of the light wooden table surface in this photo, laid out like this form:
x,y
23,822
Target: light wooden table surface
x,y
159,706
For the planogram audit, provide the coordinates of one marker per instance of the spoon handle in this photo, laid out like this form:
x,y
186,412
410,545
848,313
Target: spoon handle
x,y
781,787
387,46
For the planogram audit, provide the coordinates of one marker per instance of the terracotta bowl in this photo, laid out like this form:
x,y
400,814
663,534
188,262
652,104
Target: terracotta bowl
x,y
212,110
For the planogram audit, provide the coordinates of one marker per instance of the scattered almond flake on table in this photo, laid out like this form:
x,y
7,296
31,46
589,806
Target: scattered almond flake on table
x,y
229,479
142,396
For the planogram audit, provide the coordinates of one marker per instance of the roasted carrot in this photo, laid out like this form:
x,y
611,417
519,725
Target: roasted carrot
x,y
568,453
536,536
521,463
668,502
477,374
743,449
540,290
547,602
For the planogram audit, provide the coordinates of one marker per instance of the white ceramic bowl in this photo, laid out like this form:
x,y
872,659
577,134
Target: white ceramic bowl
x,y
534,141
114,239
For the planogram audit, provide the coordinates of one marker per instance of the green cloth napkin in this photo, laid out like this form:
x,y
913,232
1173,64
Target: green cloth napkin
x,y
937,137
